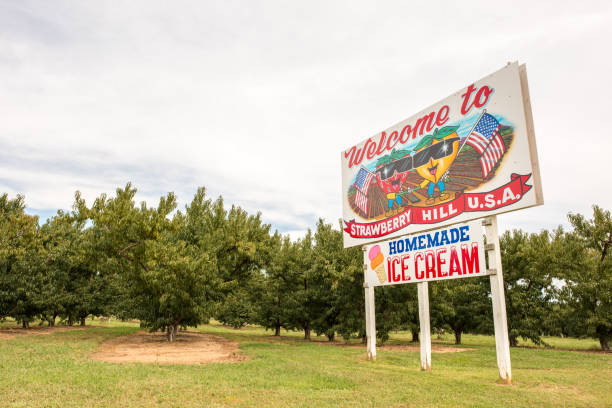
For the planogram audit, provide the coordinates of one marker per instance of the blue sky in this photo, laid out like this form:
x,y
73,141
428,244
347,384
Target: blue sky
x,y
255,100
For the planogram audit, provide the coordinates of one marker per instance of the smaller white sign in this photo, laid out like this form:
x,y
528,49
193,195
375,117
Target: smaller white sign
x,y
452,252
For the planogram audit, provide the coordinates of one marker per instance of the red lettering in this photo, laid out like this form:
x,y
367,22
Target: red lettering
x,y
466,105
381,143
418,273
356,154
442,118
389,269
455,267
393,136
480,100
405,275
405,131
441,262
430,264
371,150
485,91
470,258
396,276
420,127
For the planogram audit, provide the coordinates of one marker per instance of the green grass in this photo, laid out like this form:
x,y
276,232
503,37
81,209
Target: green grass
x,y
56,370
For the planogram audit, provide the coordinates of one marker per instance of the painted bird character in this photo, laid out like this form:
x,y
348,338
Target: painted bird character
x,y
391,173
432,157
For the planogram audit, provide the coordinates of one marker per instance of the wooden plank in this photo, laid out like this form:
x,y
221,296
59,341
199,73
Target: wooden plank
x,y
465,181
533,150
425,335
500,323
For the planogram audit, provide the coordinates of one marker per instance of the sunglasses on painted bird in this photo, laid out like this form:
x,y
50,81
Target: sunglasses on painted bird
x,y
399,166
435,151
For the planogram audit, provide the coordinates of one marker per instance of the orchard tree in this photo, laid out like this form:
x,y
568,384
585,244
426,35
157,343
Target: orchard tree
x,y
588,275
404,299
529,271
277,285
238,246
169,282
301,302
337,285
463,305
20,272
75,285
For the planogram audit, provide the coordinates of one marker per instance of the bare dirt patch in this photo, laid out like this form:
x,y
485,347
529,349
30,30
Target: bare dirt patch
x,y
188,348
9,333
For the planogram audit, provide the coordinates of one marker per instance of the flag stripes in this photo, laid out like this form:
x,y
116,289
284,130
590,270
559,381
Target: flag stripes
x,y
362,182
485,138
492,154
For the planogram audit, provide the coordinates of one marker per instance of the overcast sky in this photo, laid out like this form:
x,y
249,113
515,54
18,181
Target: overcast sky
x,y
256,99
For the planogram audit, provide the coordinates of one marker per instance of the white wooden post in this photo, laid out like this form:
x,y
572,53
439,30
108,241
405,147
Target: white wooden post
x,y
370,312
370,322
425,335
500,322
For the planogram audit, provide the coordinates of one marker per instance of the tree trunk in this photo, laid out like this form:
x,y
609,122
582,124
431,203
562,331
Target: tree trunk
x,y
277,329
415,335
306,331
603,342
458,336
25,324
513,341
54,317
331,336
83,321
70,321
171,332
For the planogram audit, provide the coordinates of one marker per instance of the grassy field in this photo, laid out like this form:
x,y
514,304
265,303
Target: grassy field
x,y
56,370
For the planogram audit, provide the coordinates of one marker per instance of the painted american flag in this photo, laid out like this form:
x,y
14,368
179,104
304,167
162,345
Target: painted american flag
x,y
362,182
485,138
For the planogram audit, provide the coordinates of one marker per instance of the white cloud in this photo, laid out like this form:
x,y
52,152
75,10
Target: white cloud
x,y
256,100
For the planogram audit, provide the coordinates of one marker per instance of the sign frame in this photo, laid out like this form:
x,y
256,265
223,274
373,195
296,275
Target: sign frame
x,y
512,182
451,252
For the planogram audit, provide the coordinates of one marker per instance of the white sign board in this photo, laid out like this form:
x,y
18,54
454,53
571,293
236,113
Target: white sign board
x,y
452,252
468,156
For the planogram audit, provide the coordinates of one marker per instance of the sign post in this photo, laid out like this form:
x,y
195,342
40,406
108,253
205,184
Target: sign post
x,y
502,343
425,335
370,313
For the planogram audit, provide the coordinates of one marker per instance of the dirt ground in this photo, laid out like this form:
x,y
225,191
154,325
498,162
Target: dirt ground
x,y
9,333
188,348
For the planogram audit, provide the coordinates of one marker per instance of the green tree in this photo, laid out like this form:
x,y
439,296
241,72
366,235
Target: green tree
x,y
337,285
588,275
277,285
300,305
529,270
20,272
167,280
463,305
75,285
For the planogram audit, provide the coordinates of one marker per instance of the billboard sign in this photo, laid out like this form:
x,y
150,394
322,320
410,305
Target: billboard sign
x,y
470,155
448,253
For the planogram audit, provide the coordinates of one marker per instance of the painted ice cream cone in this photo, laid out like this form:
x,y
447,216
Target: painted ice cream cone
x,y
381,273
377,263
